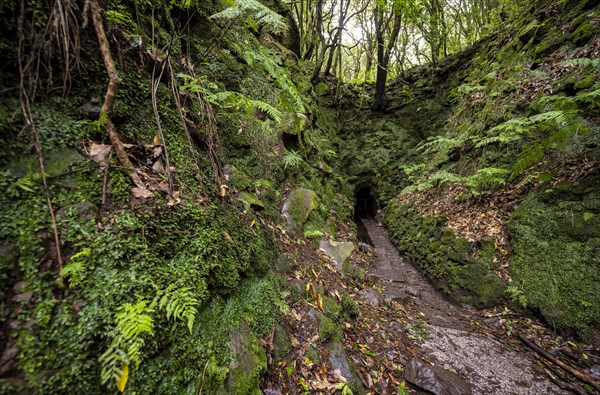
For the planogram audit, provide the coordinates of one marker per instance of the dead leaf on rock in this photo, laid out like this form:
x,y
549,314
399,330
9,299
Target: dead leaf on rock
x,y
223,190
141,193
174,199
99,152
158,167
337,374
156,141
295,343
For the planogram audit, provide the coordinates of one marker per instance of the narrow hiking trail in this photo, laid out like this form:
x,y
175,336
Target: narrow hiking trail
x,y
450,338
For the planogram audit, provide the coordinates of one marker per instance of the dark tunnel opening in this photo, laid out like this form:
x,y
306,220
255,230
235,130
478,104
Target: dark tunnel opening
x,y
366,203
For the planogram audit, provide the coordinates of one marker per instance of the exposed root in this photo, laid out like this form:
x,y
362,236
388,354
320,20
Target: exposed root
x,y
111,94
31,129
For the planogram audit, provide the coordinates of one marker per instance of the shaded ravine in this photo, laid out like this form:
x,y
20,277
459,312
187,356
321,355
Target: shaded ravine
x,y
488,365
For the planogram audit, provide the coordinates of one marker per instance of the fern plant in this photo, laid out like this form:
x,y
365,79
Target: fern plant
x,y
230,99
487,178
255,14
291,159
179,303
132,322
280,75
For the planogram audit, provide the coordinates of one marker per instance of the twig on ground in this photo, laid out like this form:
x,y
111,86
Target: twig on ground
x,y
576,373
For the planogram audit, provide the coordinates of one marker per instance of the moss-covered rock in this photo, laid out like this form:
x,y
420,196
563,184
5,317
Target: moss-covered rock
x,y
338,360
250,201
298,206
556,254
349,305
326,327
237,178
331,308
338,251
282,345
248,364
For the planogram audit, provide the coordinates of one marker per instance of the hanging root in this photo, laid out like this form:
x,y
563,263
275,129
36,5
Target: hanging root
x,y
184,122
29,125
111,94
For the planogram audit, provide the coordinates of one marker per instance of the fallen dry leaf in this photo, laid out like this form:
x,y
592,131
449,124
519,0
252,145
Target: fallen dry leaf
x,y
99,152
141,193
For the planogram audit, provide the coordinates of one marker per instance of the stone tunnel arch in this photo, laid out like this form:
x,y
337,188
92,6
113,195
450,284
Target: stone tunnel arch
x,y
365,205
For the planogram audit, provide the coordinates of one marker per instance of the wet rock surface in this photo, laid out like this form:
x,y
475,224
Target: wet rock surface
x,y
435,379
338,251
487,365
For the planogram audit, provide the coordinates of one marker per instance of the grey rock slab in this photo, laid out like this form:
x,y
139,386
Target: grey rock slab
x,y
338,251
371,297
338,360
435,379
490,367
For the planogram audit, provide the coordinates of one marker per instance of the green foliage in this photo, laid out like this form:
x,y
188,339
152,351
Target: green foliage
x,y
488,178
445,258
255,56
180,304
237,100
132,321
517,295
291,159
255,14
77,267
564,285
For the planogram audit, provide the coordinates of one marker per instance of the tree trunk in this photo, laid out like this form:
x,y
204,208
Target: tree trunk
x,y
383,56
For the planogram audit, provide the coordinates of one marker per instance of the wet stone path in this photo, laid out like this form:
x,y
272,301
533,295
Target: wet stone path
x,y
486,364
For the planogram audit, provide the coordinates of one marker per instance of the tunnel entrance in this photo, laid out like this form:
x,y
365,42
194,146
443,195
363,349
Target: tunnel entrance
x,y
366,203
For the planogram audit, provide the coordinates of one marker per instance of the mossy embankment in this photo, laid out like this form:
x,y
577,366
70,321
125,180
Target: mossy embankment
x,y
175,285
506,122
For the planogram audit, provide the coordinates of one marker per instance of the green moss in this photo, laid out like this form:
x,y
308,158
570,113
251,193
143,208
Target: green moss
x,y
250,201
585,82
321,89
249,363
327,329
349,305
445,259
312,353
331,308
583,33
282,345
563,227
299,205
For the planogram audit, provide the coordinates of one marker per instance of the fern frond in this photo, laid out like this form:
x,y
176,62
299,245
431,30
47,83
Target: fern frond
x,y
230,99
487,178
135,319
291,159
266,108
180,304
261,15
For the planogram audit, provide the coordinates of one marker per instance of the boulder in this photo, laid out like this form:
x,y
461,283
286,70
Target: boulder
x,y
298,206
338,360
249,362
338,251
435,379
250,201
